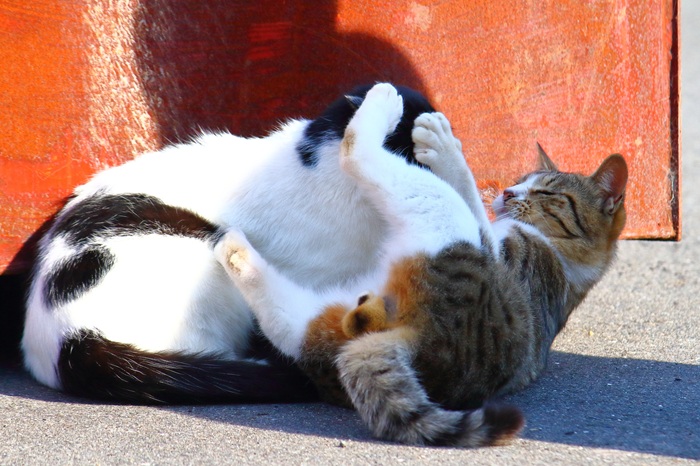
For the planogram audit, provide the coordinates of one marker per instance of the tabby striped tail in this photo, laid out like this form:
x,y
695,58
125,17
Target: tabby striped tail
x,y
376,372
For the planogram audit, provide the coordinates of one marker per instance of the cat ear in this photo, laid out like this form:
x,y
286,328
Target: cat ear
x,y
545,163
355,101
611,176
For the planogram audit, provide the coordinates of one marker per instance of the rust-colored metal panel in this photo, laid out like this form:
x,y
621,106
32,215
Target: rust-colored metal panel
x,y
88,84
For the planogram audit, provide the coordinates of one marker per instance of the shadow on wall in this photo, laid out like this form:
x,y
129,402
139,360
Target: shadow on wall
x,y
245,66
240,66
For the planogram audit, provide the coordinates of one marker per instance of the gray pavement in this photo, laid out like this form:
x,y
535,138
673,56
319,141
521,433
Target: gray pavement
x,y
623,384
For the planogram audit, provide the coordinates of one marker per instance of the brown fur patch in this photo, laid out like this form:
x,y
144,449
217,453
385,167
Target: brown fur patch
x,y
369,316
326,329
348,142
323,340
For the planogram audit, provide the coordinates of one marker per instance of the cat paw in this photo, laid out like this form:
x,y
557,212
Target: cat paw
x,y
433,140
378,115
388,103
237,256
370,315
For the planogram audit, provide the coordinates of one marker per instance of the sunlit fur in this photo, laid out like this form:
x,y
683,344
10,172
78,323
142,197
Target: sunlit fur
x,y
470,309
127,265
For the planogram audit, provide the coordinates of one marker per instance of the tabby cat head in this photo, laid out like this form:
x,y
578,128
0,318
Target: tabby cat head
x,y
582,216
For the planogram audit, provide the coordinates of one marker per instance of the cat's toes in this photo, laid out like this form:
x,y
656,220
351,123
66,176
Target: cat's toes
x,y
424,138
432,136
444,123
426,144
425,155
446,131
387,100
434,121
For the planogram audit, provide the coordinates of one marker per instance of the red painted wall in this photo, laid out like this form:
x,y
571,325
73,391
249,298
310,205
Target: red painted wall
x,y
89,84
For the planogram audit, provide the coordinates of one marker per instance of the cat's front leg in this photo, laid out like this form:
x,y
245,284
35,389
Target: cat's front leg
x,y
282,308
361,148
436,147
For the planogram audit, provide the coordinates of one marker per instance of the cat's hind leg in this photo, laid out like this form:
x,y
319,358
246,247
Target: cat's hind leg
x,y
283,308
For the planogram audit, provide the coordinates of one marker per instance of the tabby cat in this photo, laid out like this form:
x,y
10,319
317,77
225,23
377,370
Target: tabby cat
x,y
127,301
459,309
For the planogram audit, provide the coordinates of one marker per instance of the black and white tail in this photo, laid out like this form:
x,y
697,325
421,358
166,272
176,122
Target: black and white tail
x,y
376,372
92,366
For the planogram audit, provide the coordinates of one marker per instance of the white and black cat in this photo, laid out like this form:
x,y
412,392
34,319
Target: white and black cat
x,y
127,301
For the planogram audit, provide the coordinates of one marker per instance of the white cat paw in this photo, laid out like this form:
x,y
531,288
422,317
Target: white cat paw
x,y
433,139
388,103
238,257
376,118
379,113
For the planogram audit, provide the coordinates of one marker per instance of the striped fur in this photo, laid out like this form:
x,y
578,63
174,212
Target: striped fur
x,y
464,310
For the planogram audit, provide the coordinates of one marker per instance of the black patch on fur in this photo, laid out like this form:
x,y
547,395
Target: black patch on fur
x,y
72,277
105,215
94,367
331,124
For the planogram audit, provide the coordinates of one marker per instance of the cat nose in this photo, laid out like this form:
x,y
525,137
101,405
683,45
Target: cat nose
x,y
507,194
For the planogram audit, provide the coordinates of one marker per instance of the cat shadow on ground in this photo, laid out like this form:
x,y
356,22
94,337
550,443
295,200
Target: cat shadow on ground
x,y
616,403
613,403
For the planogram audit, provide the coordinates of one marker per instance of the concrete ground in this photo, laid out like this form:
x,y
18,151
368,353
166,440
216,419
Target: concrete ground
x,y
623,385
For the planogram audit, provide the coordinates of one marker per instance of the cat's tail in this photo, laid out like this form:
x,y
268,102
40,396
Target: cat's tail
x,y
376,372
90,365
